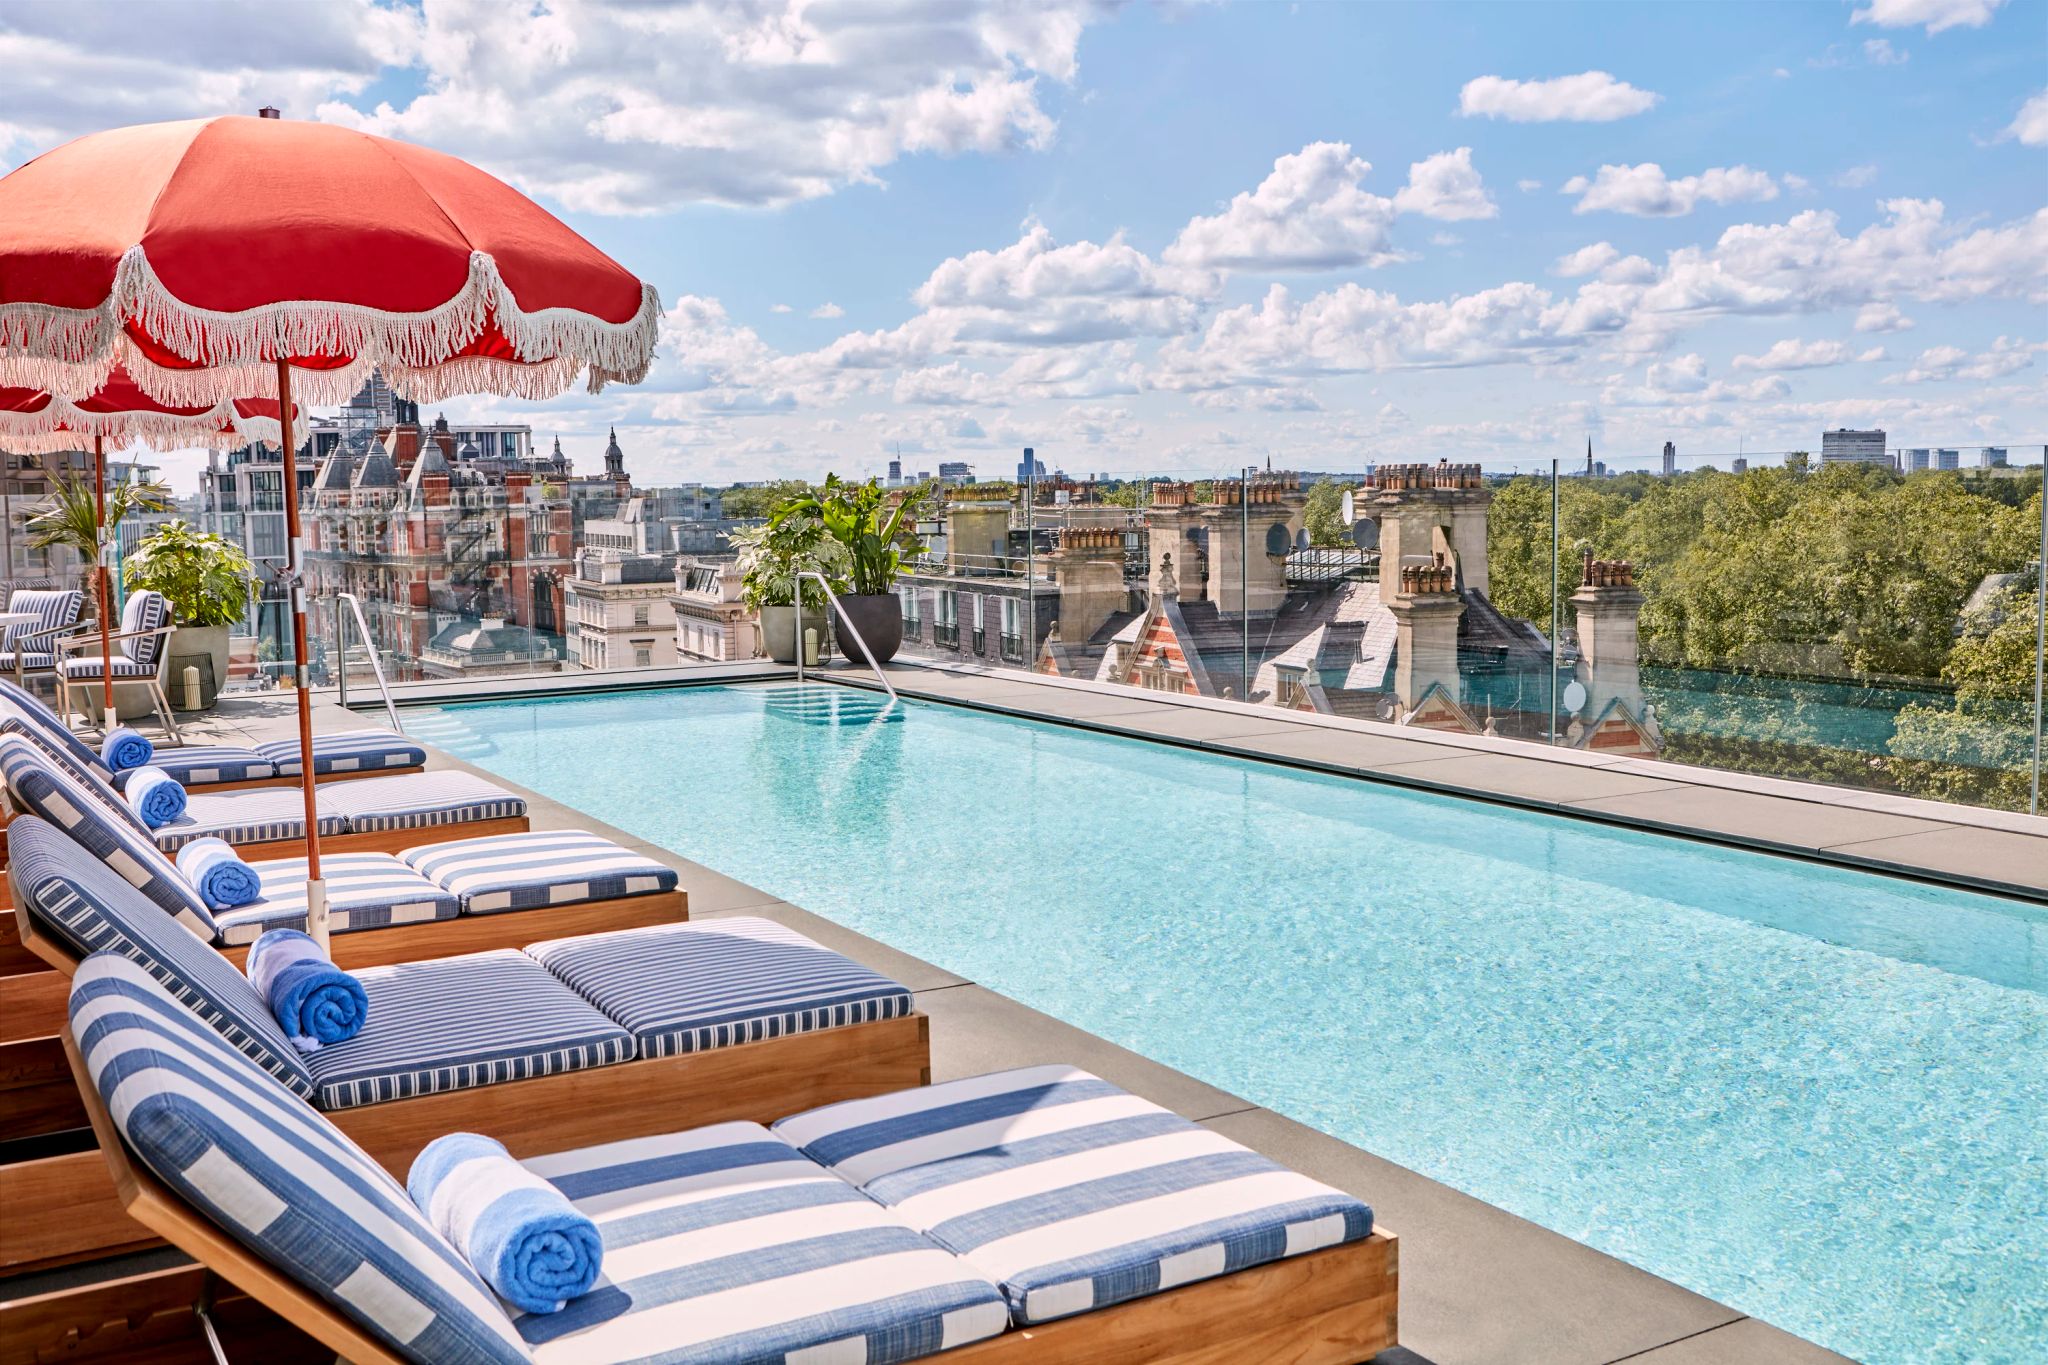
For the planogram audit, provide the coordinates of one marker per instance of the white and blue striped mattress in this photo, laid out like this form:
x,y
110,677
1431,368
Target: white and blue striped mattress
x,y
716,983
418,801
537,869
197,765
364,891
260,816
345,751
457,1022
1071,1193
726,1245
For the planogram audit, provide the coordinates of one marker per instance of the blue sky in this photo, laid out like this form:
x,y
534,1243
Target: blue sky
x,y
1145,237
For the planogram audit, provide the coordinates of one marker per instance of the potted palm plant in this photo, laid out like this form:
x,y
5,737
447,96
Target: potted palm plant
x,y
69,518
206,577
769,558
877,538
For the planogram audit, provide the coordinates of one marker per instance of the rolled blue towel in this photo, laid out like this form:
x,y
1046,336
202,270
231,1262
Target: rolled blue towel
x,y
154,795
521,1234
125,748
213,869
315,1001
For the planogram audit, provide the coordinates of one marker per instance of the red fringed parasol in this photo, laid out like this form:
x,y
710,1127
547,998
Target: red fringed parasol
x,y
200,255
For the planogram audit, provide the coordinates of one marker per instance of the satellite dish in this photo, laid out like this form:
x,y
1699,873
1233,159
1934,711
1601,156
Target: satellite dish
x,y
1301,541
1350,507
1574,696
1278,542
1366,534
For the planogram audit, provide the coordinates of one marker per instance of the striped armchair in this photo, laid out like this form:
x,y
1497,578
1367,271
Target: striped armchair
x,y
141,656
31,646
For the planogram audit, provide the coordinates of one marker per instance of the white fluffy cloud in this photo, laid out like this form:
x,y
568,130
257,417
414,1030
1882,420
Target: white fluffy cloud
x,y
1880,52
1313,212
1589,97
2030,126
1587,260
1793,354
1446,186
828,310
1310,213
1645,191
1881,317
604,107
1935,15
2007,356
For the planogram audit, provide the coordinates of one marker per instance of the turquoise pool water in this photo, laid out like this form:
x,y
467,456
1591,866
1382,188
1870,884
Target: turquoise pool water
x,y
1817,1095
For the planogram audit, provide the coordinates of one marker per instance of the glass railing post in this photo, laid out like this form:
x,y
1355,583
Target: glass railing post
x,y
2040,635
1556,607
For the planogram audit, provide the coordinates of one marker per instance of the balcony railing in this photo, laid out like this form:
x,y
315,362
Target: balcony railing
x,y
1012,647
945,636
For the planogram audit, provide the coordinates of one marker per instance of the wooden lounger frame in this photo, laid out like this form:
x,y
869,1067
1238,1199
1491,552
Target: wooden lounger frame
x,y
1333,1307
64,1208
35,971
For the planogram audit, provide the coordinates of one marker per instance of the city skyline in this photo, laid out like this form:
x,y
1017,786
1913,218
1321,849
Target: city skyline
x,y
1479,233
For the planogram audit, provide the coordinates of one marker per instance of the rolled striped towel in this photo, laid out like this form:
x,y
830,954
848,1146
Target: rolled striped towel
x,y
218,874
521,1234
155,796
315,1001
124,748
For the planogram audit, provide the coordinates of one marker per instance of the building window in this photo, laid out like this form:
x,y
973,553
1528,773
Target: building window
x,y
1012,642
640,615
946,624
643,656
980,623
912,624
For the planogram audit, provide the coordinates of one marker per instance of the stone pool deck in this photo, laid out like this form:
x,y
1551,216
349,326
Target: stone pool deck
x,y
1479,1285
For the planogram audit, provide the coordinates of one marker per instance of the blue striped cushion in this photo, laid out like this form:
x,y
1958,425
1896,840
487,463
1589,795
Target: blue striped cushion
x,y
346,751
88,667
90,910
715,983
458,1022
144,611
538,868
727,1245
100,825
22,704
53,608
1071,1193
364,891
33,659
278,1177
196,765
261,816
420,801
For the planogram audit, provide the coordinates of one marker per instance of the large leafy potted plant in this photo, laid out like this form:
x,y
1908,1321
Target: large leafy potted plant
x,y
877,538
769,558
68,519
206,577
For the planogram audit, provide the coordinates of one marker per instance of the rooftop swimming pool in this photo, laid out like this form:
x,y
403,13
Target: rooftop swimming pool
x,y
1818,1095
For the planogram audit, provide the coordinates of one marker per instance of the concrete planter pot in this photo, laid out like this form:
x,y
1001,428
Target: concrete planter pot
x,y
208,641
778,633
878,617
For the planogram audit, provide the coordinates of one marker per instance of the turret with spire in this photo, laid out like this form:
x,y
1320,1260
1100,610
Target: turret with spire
x,y
614,458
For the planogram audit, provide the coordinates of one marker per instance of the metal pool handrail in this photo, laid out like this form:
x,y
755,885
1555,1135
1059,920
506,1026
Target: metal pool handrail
x,y
851,629
369,647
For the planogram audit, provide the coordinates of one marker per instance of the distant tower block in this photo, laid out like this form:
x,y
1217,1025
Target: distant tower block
x,y
1429,510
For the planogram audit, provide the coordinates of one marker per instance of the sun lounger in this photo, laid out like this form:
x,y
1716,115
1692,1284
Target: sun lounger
x,y
337,756
1098,1228
554,1046
501,891
373,814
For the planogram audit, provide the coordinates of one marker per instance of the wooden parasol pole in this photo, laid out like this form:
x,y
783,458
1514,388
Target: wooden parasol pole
x,y
316,890
99,541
